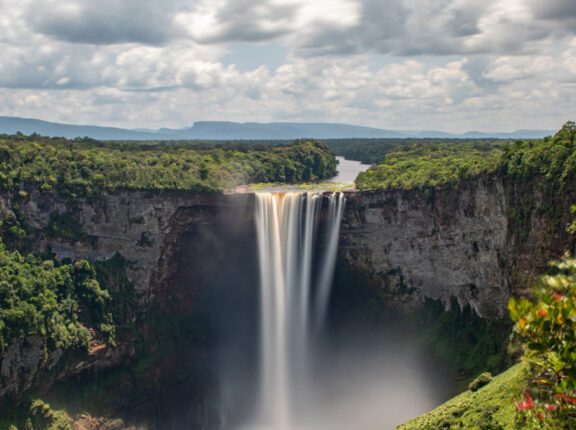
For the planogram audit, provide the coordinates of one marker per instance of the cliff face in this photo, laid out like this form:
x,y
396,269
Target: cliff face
x,y
144,228
477,242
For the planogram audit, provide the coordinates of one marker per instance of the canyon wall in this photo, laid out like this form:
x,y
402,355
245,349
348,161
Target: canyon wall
x,y
145,228
477,242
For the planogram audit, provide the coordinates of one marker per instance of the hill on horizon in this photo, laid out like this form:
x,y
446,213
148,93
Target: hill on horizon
x,y
225,130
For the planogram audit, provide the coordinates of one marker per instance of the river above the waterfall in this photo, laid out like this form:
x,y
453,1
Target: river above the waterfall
x,y
348,170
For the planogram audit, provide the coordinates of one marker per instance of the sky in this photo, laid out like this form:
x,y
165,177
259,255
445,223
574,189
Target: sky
x,y
452,65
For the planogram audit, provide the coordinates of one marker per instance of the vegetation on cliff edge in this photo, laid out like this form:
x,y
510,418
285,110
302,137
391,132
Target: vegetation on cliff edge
x,y
91,166
421,165
490,407
431,165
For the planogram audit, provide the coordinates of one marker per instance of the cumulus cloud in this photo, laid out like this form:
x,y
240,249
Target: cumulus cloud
x,y
336,27
440,27
446,64
554,10
242,20
104,22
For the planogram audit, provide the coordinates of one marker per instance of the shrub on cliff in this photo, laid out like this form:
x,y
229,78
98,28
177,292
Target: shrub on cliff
x,y
546,325
480,381
44,298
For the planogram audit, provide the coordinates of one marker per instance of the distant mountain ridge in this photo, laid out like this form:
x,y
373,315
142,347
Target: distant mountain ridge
x,y
223,130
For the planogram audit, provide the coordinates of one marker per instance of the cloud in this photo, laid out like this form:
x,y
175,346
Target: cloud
x,y
337,27
402,27
447,64
251,21
105,21
50,67
442,27
406,94
554,10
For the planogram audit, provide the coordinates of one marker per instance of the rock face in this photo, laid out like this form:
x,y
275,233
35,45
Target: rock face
x,y
145,228
477,242
22,364
460,242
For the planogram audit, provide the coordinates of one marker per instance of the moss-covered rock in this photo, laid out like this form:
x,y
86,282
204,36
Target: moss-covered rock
x,y
480,381
489,408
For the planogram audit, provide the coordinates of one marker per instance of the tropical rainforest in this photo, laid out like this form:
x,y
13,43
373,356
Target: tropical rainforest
x,y
73,306
92,166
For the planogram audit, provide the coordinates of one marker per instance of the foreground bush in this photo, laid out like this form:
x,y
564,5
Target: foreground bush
x,y
546,325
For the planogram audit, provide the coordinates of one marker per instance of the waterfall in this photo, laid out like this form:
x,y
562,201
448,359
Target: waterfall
x,y
293,295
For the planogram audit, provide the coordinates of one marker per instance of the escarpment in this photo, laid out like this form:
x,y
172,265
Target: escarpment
x,y
143,227
478,241
142,230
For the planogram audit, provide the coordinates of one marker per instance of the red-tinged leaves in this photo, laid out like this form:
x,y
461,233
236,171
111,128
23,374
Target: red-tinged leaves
x,y
526,404
547,328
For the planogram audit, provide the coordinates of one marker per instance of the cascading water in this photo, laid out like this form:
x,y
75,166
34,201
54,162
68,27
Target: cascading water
x,y
293,300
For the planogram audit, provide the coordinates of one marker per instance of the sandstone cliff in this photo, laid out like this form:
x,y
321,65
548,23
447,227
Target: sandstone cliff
x,y
477,242
144,228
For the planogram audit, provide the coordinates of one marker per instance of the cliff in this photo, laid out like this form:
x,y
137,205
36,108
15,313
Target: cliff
x,y
477,242
144,228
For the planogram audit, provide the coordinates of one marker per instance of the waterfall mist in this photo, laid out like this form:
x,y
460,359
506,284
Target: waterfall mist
x,y
285,344
364,378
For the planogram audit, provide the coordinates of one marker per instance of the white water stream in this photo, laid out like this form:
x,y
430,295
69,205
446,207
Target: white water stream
x,y
294,297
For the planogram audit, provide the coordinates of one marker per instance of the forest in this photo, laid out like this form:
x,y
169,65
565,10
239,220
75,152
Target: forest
x,y
68,305
429,165
89,166
45,298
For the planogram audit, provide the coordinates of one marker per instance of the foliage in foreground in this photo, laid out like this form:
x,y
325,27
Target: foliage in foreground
x,y
547,327
35,415
92,166
45,298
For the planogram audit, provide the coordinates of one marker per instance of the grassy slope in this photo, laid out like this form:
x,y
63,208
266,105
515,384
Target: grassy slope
x,y
489,408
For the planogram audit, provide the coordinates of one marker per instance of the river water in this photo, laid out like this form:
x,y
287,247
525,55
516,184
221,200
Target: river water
x,y
348,170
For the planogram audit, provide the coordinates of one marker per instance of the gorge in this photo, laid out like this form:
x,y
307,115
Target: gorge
x,y
183,268
387,238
